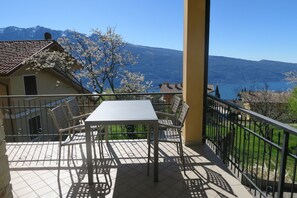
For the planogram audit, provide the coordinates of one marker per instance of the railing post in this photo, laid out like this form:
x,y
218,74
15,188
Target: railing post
x,y
283,165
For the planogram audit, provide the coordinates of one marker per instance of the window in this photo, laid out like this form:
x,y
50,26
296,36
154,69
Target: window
x,y
34,126
30,85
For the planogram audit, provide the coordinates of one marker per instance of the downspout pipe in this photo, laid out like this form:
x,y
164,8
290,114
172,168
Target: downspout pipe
x,y
206,56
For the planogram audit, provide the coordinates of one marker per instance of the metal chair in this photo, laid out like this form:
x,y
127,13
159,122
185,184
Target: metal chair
x,y
170,118
172,133
78,117
69,135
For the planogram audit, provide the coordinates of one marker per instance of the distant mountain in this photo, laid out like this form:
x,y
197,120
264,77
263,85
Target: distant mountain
x,y
233,70
159,64
34,33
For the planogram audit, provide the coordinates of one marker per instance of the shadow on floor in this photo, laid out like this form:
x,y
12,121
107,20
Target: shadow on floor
x,y
123,173
131,180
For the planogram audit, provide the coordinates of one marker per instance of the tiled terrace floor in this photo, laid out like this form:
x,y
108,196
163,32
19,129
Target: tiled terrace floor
x,y
34,173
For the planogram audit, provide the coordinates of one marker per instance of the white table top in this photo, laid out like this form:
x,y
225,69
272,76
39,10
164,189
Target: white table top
x,y
125,111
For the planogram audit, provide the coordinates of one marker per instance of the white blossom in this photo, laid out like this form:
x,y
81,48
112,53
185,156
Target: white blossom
x,y
100,61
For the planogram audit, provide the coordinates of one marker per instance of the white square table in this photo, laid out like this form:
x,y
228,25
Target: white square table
x,y
122,112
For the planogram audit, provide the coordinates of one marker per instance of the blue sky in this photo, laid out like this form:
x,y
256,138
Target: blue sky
x,y
248,29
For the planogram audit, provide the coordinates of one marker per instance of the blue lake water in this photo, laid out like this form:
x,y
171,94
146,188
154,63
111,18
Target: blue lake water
x,y
229,91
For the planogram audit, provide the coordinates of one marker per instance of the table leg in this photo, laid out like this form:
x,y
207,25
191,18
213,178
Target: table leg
x,y
149,128
156,153
89,154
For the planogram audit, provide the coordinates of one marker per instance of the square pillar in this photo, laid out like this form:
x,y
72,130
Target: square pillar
x,y
195,61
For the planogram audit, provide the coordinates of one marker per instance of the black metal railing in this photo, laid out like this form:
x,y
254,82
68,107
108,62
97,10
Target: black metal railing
x,y
26,118
262,152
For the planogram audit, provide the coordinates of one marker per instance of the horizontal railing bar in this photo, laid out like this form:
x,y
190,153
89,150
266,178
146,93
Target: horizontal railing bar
x,y
252,132
276,123
292,155
103,95
259,136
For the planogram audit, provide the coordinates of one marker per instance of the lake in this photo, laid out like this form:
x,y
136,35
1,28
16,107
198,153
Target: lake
x,y
229,91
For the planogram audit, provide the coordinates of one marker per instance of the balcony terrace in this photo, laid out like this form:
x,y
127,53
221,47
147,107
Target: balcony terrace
x,y
238,144
244,154
34,173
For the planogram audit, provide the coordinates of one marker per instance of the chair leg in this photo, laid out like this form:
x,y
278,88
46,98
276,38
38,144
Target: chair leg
x,y
148,157
95,157
100,144
108,180
58,175
84,162
59,163
79,172
70,155
182,155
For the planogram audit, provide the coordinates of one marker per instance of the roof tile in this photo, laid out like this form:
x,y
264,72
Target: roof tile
x,y
12,53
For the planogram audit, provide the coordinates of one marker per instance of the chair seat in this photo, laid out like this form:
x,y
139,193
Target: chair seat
x,y
77,138
82,128
165,121
168,135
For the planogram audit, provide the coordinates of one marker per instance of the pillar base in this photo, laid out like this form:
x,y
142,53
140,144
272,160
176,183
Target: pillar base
x,y
194,143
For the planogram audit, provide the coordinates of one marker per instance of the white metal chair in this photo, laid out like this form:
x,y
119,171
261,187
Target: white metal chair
x,y
69,134
172,133
170,117
78,117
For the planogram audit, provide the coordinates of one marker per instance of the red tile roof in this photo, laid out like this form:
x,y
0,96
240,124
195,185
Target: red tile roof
x,y
178,87
168,88
12,53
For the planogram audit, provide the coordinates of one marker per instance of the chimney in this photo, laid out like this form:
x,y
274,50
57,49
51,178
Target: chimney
x,y
168,86
47,36
178,86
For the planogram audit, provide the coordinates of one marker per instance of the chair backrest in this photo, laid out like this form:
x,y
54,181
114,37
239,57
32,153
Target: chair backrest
x,y
183,113
175,104
59,117
73,108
